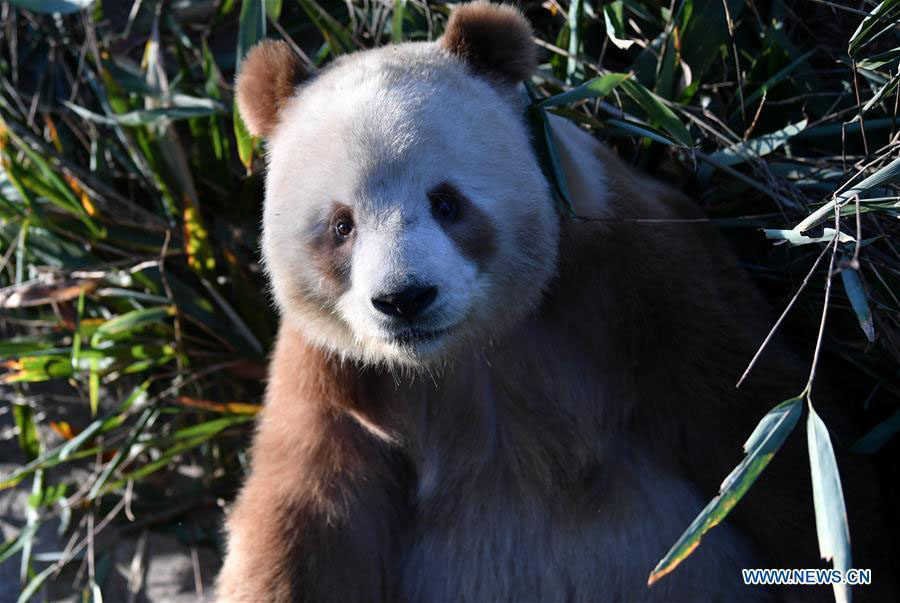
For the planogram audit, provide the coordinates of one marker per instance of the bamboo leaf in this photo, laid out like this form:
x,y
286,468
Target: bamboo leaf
x,y
657,110
34,584
397,22
639,129
886,174
759,146
828,497
595,88
613,17
760,447
879,96
794,238
128,322
29,442
53,6
251,29
857,295
880,20
879,60
145,117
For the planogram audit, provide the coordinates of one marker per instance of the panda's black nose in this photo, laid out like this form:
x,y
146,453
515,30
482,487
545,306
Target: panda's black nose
x,y
405,303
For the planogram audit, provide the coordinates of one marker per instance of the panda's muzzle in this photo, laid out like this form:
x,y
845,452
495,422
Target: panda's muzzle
x,y
406,303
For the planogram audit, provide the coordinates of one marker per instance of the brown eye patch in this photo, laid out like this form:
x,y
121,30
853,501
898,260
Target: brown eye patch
x,y
471,228
332,247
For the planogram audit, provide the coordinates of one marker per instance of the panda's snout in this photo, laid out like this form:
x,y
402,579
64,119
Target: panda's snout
x,y
407,302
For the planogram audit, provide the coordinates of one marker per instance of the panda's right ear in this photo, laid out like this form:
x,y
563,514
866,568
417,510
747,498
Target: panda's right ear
x,y
267,78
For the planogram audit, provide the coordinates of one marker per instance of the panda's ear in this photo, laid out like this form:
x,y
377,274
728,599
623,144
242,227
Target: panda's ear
x,y
267,78
493,39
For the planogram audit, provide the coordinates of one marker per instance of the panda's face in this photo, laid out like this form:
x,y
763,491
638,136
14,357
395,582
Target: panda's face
x,y
406,215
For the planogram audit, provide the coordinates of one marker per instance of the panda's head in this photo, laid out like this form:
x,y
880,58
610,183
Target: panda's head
x,y
406,214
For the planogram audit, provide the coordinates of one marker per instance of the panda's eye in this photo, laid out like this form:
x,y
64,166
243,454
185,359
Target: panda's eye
x,y
343,228
445,203
342,225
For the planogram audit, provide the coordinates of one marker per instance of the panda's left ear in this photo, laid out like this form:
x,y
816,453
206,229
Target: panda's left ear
x,y
492,39
268,77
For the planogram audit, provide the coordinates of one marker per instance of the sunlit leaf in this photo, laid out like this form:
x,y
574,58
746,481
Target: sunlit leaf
x,y
760,447
613,17
52,6
595,88
129,322
879,20
828,497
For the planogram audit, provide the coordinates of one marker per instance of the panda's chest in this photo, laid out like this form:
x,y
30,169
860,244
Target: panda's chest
x,y
513,502
485,539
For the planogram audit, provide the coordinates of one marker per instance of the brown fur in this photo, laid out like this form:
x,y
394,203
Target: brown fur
x,y
493,39
633,356
301,517
332,257
268,77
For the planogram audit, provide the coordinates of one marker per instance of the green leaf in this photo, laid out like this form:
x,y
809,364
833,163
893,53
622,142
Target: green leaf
x,y
639,129
760,447
828,497
273,9
397,22
35,583
28,435
880,59
196,239
335,34
759,146
13,546
576,10
657,110
880,20
198,435
595,88
145,117
39,368
52,6
879,96
251,29
94,386
147,418
128,322
886,174
245,142
551,163
613,17
853,287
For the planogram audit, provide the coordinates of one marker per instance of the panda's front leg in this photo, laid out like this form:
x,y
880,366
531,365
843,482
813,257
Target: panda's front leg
x,y
319,515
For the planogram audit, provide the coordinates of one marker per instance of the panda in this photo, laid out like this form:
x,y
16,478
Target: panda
x,y
474,398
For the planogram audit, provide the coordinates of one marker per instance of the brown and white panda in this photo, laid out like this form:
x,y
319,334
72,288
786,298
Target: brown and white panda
x,y
473,398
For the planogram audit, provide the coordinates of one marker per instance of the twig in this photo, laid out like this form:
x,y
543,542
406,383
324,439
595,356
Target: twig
x,y
784,313
862,123
815,361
